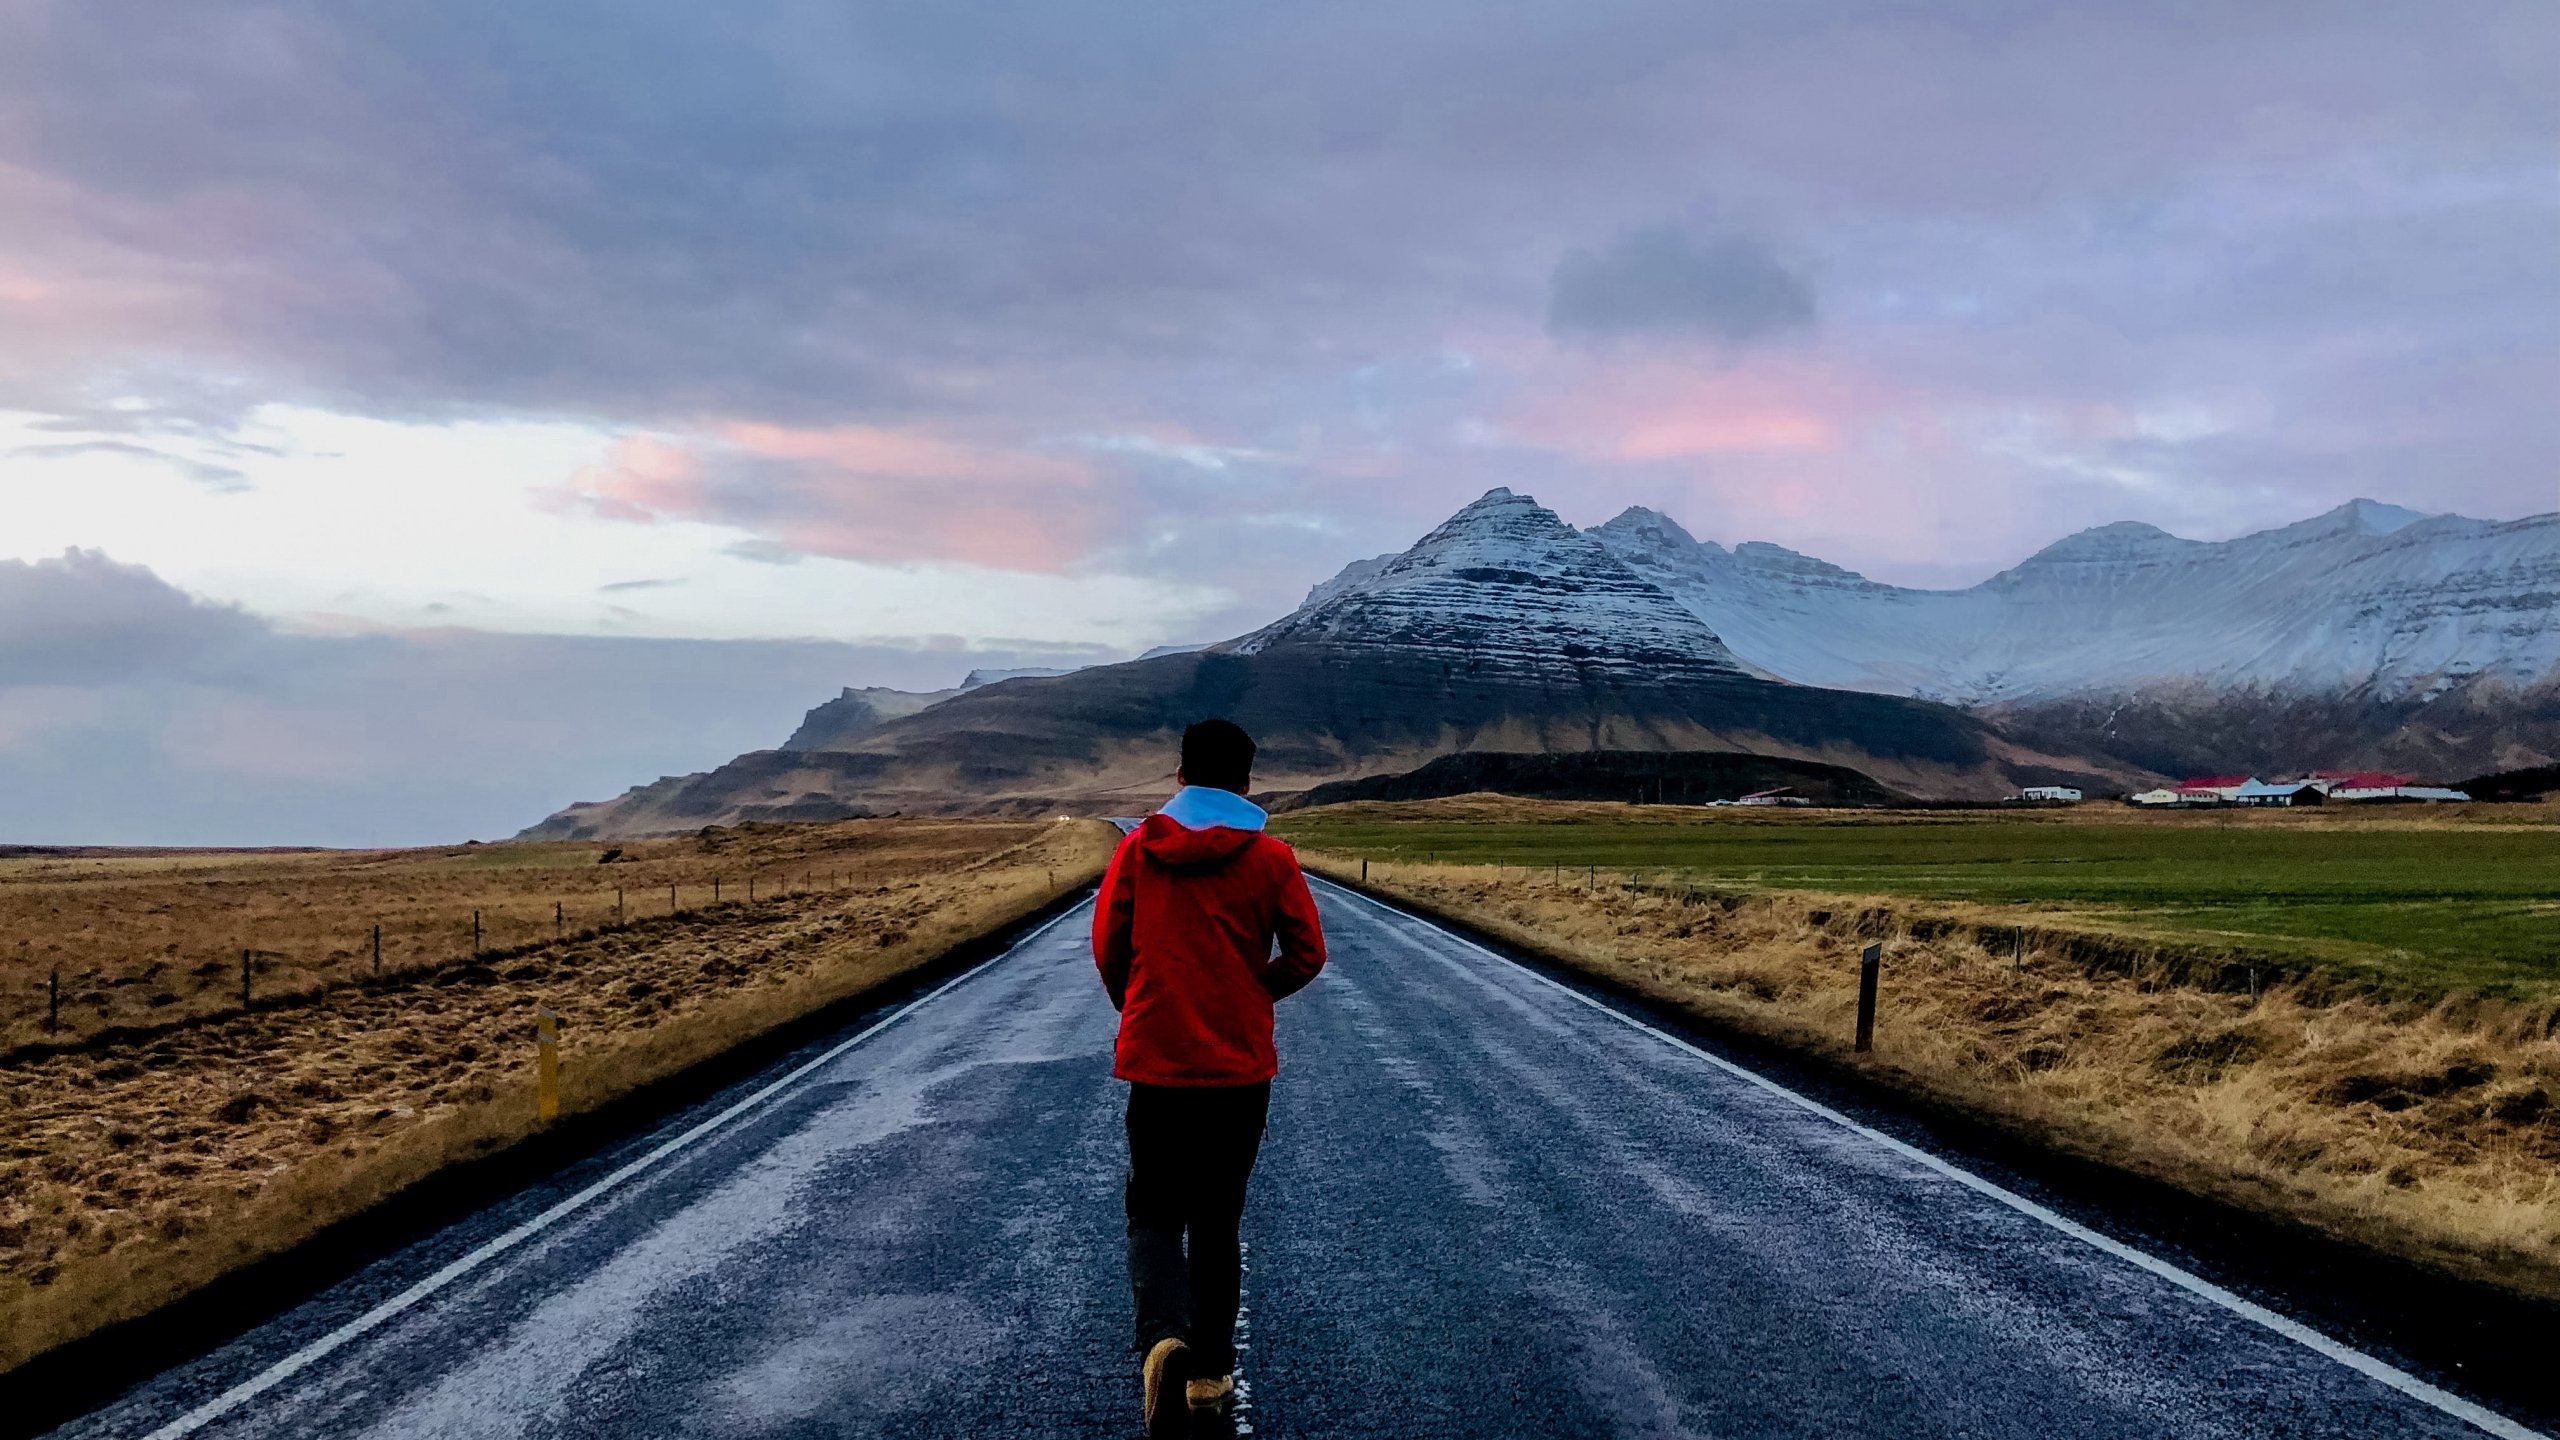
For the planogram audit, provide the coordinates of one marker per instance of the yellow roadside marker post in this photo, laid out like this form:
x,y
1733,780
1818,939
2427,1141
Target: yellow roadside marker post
x,y
546,1069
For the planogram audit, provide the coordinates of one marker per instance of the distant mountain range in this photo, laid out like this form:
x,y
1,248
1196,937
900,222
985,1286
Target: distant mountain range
x,y
2368,599
2370,635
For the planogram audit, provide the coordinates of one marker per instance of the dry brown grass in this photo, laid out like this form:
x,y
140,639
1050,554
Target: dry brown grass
x,y
143,938
140,1166
2430,1130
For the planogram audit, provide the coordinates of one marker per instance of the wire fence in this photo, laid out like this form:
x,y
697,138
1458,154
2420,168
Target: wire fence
x,y
280,947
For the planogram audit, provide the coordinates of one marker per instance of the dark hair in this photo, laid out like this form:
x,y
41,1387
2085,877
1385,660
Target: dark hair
x,y
1218,754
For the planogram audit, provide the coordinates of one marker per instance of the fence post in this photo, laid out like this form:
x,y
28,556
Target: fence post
x,y
377,951
1870,961
244,979
751,889
559,919
671,899
475,934
617,904
715,889
1364,871
546,1069
53,1001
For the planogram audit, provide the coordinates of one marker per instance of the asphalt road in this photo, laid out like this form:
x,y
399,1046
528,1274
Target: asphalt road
x,y
1488,1206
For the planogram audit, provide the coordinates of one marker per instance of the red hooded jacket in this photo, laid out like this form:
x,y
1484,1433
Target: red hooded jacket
x,y
1183,933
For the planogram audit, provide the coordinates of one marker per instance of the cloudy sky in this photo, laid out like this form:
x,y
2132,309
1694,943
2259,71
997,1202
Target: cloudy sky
x,y
413,417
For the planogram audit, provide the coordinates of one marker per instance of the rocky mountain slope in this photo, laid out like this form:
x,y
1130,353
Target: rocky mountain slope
x,y
859,712
1502,630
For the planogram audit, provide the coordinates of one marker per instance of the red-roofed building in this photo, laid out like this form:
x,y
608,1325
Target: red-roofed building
x,y
2360,784
2206,788
2379,785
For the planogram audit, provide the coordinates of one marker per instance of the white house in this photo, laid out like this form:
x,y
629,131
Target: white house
x,y
2155,797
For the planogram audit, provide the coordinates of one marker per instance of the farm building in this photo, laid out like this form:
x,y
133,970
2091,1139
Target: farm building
x,y
2213,789
2291,792
2050,792
2379,785
1783,795
2362,786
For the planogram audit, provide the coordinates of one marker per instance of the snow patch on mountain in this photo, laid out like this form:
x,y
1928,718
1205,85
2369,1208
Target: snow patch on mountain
x,y
977,678
1358,572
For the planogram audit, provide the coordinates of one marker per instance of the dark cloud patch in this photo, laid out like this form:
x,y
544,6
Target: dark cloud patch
x,y
83,619
1660,281
131,713
765,552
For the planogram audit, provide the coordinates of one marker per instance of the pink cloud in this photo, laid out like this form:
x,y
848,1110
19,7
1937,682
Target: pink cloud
x,y
640,479
1664,411
1806,450
1727,433
859,492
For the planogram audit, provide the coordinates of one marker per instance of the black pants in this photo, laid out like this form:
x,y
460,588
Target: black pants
x,y
1190,1153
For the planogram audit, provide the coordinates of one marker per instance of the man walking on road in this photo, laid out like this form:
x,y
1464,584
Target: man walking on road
x,y
1202,923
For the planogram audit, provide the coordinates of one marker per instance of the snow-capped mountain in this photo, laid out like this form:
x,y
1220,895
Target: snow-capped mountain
x,y
1507,588
1504,630
2368,598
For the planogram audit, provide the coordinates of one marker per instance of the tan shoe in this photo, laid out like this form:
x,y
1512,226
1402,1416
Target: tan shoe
x,y
1209,1397
1166,1375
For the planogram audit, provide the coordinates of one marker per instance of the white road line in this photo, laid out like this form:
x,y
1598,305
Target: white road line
x,y
302,1359
1240,1402
2303,1335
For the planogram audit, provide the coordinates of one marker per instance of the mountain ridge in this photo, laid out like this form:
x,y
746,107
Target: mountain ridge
x,y
1503,629
2365,597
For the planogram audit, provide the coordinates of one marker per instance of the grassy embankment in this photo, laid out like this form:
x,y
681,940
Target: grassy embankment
x,y
154,1144
2343,1019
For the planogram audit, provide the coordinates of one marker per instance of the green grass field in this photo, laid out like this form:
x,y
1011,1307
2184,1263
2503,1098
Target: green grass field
x,y
2453,906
